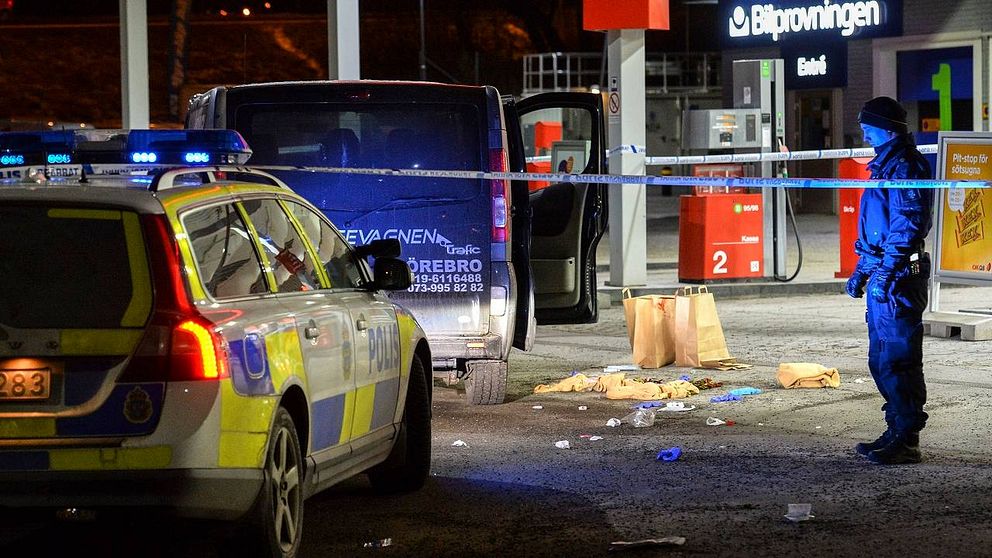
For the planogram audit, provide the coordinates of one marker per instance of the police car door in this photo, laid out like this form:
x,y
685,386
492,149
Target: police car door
x,y
372,328
322,325
564,132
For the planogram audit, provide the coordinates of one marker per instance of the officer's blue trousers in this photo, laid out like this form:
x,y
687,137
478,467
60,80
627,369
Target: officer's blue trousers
x,y
895,350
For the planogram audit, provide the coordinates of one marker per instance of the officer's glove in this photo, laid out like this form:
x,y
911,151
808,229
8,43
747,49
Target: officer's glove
x,y
856,284
879,284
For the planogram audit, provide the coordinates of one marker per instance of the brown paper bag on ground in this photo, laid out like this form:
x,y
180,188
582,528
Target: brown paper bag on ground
x,y
698,333
650,328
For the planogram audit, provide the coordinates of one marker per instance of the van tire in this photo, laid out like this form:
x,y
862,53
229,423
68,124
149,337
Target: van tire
x,y
409,462
266,532
485,383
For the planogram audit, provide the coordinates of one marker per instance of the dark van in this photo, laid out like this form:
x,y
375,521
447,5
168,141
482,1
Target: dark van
x,y
491,258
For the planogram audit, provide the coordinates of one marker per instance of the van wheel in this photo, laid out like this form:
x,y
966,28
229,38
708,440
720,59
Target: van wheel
x,y
485,383
277,521
409,462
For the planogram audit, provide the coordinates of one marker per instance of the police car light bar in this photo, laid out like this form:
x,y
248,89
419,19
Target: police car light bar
x,y
144,147
35,148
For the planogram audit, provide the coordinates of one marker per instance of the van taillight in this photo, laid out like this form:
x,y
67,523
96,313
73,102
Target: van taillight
x,y
498,163
179,344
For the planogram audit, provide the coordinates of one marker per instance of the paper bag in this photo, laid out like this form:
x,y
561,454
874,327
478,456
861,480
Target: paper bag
x,y
698,333
650,328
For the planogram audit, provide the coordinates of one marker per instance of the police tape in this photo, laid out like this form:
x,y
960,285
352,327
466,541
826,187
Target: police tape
x,y
779,156
649,180
808,155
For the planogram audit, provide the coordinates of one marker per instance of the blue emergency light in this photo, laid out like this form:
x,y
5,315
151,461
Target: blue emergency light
x,y
145,147
187,147
33,148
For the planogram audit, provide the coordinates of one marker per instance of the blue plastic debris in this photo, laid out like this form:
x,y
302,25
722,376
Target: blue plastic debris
x,y
649,405
685,378
724,398
670,454
745,391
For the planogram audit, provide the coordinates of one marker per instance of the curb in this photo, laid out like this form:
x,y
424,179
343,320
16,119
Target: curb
x,y
725,291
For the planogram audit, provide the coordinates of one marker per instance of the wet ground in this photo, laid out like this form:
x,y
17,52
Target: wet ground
x,y
511,492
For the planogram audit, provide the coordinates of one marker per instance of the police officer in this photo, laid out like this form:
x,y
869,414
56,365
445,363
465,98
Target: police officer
x,y
893,269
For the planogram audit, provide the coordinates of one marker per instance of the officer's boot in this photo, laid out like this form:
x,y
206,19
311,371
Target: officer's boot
x,y
864,448
902,448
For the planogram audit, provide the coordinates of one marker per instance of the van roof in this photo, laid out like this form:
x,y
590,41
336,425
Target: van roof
x,y
362,83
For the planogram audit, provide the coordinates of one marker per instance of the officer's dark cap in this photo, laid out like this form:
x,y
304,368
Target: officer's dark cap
x,y
885,113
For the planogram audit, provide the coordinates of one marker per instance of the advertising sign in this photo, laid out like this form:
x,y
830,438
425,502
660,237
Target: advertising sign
x,y
748,23
965,215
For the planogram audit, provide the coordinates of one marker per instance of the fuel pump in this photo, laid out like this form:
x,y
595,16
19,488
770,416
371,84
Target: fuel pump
x,y
760,84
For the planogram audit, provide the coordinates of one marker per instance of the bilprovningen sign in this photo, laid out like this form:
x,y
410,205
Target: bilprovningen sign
x,y
766,19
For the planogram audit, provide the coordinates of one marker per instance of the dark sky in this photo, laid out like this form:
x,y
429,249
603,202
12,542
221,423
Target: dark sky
x,y
467,42
699,32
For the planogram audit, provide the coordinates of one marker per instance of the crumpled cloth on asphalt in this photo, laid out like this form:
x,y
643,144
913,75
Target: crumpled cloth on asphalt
x,y
745,391
618,386
578,382
807,375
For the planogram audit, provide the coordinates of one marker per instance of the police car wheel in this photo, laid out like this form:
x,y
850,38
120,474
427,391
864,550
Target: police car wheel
x,y
409,462
279,515
485,383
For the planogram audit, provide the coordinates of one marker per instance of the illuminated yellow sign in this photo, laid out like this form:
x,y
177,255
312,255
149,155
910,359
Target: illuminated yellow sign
x,y
965,243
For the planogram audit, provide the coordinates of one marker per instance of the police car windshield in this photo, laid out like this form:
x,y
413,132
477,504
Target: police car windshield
x,y
86,267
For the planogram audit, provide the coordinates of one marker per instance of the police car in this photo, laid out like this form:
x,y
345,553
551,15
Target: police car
x,y
199,339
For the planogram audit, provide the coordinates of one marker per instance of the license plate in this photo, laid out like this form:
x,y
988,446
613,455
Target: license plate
x,y
22,385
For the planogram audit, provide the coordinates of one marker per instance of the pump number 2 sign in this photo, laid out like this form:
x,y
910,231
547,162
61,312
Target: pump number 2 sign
x,y
720,237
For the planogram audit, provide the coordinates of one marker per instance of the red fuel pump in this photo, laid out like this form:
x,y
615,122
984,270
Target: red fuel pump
x,y
850,204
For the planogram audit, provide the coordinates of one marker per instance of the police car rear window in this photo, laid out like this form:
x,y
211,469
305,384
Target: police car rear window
x,y
72,268
368,135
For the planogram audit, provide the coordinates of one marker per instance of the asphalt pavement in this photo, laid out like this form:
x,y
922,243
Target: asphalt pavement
x,y
508,490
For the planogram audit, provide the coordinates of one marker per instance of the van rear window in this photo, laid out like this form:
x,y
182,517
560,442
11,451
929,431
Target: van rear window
x,y
369,135
72,268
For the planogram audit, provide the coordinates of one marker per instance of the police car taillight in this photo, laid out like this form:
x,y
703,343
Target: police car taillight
x,y
197,352
498,163
179,344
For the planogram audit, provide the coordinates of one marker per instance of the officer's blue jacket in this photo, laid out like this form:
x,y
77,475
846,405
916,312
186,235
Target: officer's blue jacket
x,y
895,221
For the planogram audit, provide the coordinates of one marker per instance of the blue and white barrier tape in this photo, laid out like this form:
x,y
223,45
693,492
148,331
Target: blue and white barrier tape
x,y
746,182
863,152
866,152
625,149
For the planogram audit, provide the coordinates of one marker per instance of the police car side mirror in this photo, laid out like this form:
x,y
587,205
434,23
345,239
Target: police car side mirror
x,y
382,248
391,274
